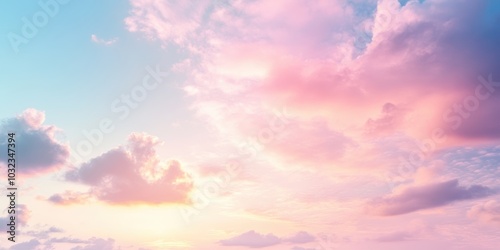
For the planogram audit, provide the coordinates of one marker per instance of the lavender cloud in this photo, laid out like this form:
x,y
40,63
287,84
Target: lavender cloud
x,y
427,196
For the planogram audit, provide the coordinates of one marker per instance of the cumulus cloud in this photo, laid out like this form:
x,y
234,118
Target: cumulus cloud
x,y
416,198
130,174
487,212
39,150
256,240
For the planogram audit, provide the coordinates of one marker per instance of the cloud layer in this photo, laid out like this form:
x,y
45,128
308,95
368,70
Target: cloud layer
x,y
323,63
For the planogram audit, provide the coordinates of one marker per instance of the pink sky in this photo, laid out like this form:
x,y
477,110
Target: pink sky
x,y
357,124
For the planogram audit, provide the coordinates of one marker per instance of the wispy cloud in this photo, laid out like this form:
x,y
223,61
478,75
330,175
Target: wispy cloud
x,y
98,40
426,196
256,240
487,212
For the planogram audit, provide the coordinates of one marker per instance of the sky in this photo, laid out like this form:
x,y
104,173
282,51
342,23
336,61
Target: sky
x,y
232,124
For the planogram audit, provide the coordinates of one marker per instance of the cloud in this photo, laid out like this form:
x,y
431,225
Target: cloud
x,y
300,238
169,21
39,150
403,67
412,230
97,244
302,248
130,174
324,61
93,243
256,240
313,143
66,240
45,233
22,215
32,244
98,40
388,121
252,239
395,236
487,212
427,196
69,198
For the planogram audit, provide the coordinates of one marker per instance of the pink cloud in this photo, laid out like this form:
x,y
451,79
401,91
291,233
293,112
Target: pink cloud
x,y
131,174
253,239
39,243
395,236
310,63
32,117
487,212
97,244
312,143
44,233
302,248
383,95
389,120
427,196
41,151
300,238
69,198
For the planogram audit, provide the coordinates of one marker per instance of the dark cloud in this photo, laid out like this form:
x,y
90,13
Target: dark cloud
x,y
422,197
38,149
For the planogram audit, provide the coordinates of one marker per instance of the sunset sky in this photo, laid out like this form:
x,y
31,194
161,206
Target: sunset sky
x,y
233,124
